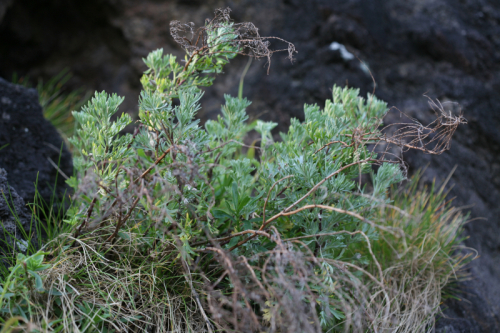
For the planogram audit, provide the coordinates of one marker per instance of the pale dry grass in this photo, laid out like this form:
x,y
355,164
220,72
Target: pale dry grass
x,y
418,268
123,283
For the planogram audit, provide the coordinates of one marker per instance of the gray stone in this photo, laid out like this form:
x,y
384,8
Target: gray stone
x,y
32,148
4,4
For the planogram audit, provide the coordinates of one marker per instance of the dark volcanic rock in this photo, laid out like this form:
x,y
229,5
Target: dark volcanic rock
x,y
4,4
31,145
448,49
14,228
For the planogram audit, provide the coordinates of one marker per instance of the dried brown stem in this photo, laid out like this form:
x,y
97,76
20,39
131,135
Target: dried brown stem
x,y
331,143
267,198
153,165
315,187
122,221
223,239
349,233
84,223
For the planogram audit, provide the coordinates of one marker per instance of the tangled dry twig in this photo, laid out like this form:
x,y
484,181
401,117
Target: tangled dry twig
x,y
244,37
434,138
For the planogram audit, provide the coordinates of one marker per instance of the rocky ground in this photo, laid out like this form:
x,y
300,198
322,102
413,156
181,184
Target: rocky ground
x,y
446,49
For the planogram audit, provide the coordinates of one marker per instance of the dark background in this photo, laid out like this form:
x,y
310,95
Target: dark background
x,y
447,49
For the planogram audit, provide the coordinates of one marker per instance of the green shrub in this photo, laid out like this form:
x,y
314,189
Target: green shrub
x,y
177,228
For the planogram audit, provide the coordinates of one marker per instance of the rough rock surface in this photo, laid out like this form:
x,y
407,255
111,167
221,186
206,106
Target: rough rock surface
x,y
15,228
4,4
448,49
31,145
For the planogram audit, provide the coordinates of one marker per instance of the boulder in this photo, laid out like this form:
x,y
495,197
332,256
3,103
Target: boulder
x,y
4,4
32,152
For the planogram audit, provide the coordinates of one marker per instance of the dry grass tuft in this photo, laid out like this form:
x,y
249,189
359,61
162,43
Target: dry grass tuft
x,y
127,285
419,266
